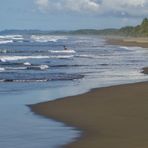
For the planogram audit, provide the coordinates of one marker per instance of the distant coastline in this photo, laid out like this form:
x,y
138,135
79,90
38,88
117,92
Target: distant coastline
x,y
127,31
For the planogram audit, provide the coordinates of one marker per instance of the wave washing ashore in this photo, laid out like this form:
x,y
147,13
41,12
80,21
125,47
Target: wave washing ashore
x,y
109,117
35,69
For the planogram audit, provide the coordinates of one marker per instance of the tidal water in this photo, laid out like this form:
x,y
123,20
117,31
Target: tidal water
x,y
36,68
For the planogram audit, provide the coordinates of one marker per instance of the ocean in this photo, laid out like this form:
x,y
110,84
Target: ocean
x,y
36,68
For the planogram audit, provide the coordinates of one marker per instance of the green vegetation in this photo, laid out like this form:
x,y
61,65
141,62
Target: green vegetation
x,y
140,30
94,32
137,31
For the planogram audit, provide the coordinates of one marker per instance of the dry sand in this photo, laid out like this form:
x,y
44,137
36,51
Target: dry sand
x,y
111,117
141,42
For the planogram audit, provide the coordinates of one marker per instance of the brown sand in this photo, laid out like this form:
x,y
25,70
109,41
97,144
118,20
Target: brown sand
x,y
112,117
141,42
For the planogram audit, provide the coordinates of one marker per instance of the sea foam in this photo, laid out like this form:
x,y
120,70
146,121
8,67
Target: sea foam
x,y
62,51
47,38
15,58
2,69
5,39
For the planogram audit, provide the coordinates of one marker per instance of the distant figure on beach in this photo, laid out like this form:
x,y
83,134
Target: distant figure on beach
x,y
65,48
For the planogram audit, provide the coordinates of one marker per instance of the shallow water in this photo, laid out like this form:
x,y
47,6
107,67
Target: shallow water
x,y
36,69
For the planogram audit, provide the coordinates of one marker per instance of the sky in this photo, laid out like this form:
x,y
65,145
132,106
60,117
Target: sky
x,y
71,14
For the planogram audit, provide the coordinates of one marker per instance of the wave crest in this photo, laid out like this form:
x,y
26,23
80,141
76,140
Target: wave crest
x,y
62,51
47,38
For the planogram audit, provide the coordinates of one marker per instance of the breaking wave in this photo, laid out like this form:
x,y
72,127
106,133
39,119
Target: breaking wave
x,y
40,67
47,38
124,47
62,51
2,69
27,63
5,39
15,58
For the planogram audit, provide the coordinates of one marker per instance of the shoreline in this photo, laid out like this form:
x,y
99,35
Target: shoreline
x,y
105,116
129,41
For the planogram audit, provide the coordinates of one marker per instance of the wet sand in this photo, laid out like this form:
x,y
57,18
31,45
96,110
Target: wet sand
x,y
111,117
140,42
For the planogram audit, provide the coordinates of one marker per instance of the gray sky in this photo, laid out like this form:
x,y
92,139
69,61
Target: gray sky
x,y
71,14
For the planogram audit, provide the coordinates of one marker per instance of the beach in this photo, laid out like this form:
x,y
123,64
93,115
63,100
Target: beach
x,y
111,117
46,73
129,41
74,74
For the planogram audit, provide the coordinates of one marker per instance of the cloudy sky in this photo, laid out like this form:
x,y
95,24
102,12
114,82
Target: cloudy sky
x,y
71,14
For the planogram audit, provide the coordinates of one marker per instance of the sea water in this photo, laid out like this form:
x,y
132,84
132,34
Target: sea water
x,y
36,68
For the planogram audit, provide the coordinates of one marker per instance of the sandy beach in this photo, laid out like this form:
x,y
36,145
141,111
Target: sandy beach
x,y
111,117
140,42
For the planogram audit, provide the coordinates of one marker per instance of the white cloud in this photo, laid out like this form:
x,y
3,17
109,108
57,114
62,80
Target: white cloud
x,y
70,5
82,5
42,4
129,7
